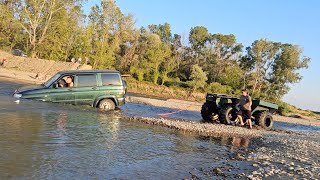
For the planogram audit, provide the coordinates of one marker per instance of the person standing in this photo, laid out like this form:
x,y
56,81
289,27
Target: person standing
x,y
245,104
3,62
86,60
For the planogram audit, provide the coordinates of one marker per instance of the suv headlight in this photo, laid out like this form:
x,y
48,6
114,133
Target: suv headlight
x,y
17,95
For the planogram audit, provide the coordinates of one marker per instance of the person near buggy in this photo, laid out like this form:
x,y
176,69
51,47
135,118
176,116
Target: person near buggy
x,y
244,105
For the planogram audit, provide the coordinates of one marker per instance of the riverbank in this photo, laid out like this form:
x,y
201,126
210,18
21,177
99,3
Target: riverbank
x,y
174,104
252,154
180,105
34,70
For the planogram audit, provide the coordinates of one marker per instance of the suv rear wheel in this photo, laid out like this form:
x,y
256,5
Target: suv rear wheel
x,y
107,105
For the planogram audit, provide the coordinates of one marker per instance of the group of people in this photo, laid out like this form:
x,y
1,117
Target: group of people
x,y
73,60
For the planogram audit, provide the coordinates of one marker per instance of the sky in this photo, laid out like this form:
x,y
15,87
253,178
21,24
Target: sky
x,y
288,21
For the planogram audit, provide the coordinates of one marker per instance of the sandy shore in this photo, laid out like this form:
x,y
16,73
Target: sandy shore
x,y
20,76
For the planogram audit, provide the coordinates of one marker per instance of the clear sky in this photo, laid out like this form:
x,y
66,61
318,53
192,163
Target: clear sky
x,y
288,21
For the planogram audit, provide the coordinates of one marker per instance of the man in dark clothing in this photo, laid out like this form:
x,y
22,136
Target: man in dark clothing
x,y
245,108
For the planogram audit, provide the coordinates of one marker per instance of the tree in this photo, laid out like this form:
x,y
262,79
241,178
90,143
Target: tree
x,y
11,34
198,37
36,18
163,31
222,52
168,66
112,33
274,66
64,35
198,77
260,55
284,70
155,56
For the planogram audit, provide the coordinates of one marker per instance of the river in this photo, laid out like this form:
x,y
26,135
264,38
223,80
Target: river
x,y
41,140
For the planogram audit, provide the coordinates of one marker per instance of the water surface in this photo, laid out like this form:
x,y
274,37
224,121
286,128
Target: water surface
x,y
41,140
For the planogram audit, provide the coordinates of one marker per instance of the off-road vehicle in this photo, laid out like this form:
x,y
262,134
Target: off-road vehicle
x,y
104,89
222,108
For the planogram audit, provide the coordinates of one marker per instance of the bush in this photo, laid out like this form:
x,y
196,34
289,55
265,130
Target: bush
x,y
219,88
284,108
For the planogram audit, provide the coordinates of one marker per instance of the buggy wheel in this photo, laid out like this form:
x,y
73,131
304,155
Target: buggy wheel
x,y
228,115
264,119
207,112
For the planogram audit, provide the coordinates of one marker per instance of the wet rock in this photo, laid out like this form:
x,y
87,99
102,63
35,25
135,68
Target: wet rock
x,y
250,177
298,169
277,171
266,163
194,176
264,157
240,157
256,173
255,165
218,171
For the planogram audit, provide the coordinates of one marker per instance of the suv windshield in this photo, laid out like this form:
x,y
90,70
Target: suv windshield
x,y
51,80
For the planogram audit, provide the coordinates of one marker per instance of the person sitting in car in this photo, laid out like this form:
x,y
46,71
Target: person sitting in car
x,y
69,81
62,83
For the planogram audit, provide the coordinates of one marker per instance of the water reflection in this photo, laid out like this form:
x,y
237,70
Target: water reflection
x,y
240,142
18,138
235,143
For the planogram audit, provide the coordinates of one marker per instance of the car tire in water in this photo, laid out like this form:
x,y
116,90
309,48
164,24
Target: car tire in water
x,y
264,119
227,115
107,105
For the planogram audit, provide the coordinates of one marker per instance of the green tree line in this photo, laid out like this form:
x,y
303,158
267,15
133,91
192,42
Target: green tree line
x,y
59,30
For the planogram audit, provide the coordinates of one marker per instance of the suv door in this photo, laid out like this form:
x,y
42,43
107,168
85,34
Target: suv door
x,y
86,89
61,94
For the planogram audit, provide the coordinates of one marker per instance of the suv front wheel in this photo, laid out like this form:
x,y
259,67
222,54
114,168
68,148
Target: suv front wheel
x,y
107,105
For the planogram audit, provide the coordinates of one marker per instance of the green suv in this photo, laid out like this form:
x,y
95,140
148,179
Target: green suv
x,y
99,88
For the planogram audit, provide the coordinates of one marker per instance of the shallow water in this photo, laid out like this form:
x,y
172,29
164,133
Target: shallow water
x,y
41,140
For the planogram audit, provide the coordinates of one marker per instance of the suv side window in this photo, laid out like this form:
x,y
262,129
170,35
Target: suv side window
x,y
87,80
110,79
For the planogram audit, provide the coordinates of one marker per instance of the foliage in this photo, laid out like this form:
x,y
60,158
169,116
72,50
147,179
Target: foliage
x,y
59,30
284,108
216,87
198,77
273,66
